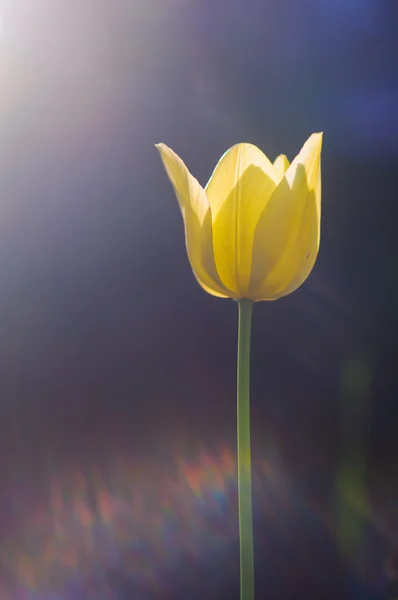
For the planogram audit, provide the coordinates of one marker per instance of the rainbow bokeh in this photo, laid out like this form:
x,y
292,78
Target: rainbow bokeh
x,y
129,526
87,531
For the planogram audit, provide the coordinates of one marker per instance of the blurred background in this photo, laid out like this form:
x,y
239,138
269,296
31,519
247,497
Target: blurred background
x,y
117,372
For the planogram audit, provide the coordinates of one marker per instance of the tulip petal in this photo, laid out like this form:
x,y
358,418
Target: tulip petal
x,y
238,191
281,164
197,217
286,240
310,157
287,236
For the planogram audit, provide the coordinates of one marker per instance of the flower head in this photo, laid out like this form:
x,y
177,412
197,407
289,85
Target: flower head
x,y
253,231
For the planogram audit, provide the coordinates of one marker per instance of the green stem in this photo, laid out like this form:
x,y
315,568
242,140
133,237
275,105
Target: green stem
x,y
244,455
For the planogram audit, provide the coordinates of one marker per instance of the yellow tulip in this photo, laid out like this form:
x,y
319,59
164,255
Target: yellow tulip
x,y
253,232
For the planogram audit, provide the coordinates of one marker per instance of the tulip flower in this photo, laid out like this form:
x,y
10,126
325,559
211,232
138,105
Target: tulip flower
x,y
251,234
253,231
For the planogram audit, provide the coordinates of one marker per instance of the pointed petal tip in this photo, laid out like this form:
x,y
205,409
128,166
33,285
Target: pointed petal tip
x,y
312,146
281,158
309,156
167,153
162,147
318,136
